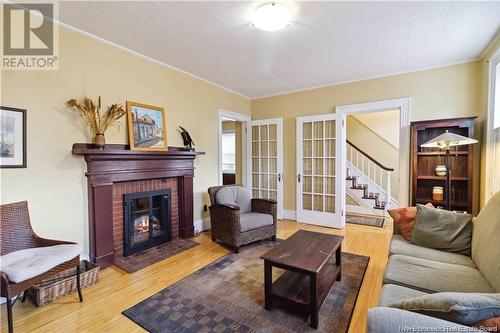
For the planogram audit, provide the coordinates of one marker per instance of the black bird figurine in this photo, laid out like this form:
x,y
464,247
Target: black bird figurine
x,y
188,142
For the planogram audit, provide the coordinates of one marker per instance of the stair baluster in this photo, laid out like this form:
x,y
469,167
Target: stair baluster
x,y
378,175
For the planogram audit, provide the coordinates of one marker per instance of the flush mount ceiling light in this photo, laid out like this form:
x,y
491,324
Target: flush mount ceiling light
x,y
271,17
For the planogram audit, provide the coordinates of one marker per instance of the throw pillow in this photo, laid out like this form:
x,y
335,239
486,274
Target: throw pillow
x,y
490,325
443,230
461,308
404,219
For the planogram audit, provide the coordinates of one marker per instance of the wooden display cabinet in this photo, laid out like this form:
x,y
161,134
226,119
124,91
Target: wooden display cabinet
x,y
425,160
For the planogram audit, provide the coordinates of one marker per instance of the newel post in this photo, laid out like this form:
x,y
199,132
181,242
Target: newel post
x,y
388,192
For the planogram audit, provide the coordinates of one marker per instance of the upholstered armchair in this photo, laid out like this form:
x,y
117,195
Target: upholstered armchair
x,y
27,259
237,219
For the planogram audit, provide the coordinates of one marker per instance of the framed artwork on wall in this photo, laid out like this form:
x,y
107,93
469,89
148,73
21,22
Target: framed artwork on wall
x,y
146,127
12,137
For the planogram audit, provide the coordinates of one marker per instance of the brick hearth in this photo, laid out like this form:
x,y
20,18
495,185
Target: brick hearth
x,y
119,189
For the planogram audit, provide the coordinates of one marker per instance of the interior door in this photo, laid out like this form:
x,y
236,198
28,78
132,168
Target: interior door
x,y
265,160
320,171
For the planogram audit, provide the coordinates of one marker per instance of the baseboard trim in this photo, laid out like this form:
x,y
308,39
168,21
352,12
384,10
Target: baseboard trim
x,y
289,214
363,210
201,225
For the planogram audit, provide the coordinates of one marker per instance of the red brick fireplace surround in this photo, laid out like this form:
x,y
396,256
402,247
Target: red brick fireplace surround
x,y
115,171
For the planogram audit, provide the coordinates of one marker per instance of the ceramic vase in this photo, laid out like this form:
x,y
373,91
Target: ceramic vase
x,y
99,141
440,170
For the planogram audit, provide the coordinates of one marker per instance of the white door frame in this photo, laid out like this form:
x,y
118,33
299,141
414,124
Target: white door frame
x,y
322,218
403,104
223,113
280,157
489,158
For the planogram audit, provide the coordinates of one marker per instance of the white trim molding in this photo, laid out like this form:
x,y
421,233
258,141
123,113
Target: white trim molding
x,y
201,225
223,113
490,138
362,210
289,214
403,105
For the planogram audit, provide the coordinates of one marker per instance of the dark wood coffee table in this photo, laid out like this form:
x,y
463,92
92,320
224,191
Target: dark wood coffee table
x,y
310,273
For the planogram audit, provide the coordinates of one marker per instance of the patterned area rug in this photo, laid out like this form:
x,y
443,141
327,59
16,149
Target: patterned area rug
x,y
155,254
365,220
228,296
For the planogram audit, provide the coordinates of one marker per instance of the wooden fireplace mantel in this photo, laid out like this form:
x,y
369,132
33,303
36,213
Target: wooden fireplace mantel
x,y
116,163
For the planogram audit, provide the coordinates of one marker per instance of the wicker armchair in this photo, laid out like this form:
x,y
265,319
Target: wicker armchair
x,y
18,235
236,228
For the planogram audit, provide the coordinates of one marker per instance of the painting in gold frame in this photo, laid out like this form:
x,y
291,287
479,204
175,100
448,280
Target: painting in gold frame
x,y
146,127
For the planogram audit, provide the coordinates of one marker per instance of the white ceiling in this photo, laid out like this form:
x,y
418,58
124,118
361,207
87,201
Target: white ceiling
x,y
327,42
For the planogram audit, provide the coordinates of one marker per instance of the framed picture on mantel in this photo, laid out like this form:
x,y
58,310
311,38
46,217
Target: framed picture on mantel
x,y
146,127
12,137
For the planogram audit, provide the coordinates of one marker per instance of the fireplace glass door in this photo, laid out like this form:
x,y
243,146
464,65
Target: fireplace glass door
x,y
147,220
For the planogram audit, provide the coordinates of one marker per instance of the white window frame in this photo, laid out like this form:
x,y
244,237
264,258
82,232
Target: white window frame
x,y
223,113
492,81
233,139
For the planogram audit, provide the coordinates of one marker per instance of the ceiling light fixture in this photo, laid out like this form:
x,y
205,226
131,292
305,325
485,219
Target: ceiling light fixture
x,y
272,17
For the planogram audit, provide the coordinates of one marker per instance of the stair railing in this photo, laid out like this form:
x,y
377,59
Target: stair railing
x,y
374,170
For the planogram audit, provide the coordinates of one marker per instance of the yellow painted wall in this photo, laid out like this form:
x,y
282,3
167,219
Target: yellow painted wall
x,y
447,92
54,182
385,124
374,145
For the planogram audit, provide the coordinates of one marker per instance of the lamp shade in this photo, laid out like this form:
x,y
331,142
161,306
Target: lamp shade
x,y
447,139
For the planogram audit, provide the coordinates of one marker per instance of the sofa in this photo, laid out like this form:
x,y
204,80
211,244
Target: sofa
x,y
414,271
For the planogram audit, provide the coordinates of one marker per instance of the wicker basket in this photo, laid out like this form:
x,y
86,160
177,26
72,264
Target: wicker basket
x,y
63,284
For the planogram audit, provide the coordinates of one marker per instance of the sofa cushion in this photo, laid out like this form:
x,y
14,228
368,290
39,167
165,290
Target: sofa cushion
x,y
400,246
389,320
443,230
490,324
25,264
251,221
235,195
486,240
392,293
461,308
404,220
432,276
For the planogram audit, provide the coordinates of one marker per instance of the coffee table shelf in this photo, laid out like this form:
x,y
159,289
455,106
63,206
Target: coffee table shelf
x,y
295,287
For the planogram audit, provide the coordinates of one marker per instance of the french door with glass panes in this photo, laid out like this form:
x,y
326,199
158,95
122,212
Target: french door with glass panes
x,y
265,160
320,174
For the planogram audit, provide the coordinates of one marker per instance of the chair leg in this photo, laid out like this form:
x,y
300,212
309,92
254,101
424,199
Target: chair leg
x,y
25,293
78,287
9,315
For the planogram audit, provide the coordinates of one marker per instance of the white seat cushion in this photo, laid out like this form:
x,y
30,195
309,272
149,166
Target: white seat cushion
x,y
251,221
235,195
25,264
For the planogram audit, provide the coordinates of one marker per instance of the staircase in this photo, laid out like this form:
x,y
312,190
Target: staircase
x,y
368,183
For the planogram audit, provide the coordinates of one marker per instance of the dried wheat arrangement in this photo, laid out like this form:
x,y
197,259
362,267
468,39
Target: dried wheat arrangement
x,y
91,114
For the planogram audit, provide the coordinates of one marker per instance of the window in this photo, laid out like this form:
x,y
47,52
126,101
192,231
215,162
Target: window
x,y
493,128
228,152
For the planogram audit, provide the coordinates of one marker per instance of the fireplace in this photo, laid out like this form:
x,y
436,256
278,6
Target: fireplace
x,y
148,220
117,171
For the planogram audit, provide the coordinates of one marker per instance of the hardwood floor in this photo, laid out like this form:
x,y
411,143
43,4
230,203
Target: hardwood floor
x,y
118,290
